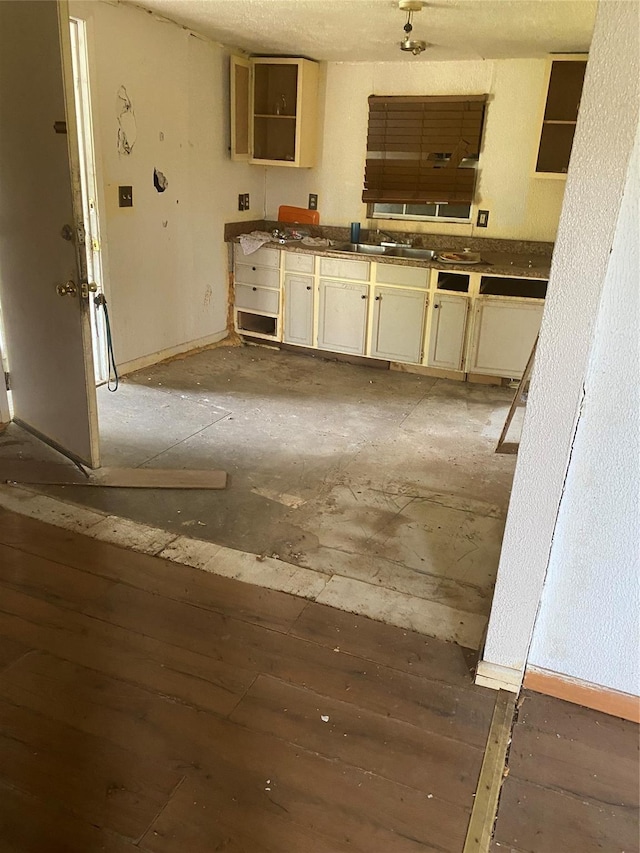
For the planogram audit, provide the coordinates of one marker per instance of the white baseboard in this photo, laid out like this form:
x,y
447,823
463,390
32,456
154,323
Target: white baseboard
x,y
498,677
162,355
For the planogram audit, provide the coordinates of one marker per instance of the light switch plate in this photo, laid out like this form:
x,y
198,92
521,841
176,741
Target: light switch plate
x,y
483,218
246,201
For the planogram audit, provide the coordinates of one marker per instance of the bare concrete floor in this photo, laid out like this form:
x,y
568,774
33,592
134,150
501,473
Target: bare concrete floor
x,y
383,477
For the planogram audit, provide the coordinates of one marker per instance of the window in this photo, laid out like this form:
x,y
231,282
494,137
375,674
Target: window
x,y
450,212
421,156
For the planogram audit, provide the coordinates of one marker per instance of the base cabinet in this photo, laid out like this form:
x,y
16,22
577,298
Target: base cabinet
x,y
448,331
298,309
398,324
342,320
504,334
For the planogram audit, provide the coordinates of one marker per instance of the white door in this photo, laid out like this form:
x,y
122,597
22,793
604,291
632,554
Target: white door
x,y
447,335
48,336
398,324
298,309
342,321
504,333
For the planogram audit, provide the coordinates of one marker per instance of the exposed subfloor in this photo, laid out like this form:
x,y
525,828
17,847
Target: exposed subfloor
x,y
375,475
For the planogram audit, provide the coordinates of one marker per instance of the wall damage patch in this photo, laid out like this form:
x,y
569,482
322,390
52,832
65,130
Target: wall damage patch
x,y
159,181
127,129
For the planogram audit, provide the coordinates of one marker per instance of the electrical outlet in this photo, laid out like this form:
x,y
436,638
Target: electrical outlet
x,y
313,201
483,218
125,196
241,201
246,201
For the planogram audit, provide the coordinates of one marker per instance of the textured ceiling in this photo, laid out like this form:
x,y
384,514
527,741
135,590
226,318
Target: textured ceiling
x,y
370,30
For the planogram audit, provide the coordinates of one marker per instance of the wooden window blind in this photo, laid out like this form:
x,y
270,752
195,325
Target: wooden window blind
x,y
415,146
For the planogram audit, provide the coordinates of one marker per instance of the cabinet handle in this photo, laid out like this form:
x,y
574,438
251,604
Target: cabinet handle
x,y
378,298
254,289
435,306
253,268
363,296
308,287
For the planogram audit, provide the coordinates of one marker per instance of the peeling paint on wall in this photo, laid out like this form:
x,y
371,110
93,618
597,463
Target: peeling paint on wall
x,y
127,129
159,181
208,295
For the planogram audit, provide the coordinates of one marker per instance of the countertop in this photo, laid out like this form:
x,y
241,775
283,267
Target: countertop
x,y
519,265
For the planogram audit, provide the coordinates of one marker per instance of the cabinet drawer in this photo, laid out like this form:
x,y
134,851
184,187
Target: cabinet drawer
x,y
340,268
403,275
257,298
262,258
261,276
294,262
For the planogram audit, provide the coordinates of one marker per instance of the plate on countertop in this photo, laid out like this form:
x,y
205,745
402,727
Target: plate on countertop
x,y
460,257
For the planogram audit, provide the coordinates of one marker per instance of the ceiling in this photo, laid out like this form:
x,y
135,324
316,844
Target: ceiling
x,y
370,30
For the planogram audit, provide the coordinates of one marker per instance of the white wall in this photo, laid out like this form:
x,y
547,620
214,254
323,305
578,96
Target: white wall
x,y
598,174
521,206
166,283
588,624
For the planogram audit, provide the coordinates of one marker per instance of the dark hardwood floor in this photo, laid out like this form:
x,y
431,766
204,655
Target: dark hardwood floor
x,y
573,782
151,706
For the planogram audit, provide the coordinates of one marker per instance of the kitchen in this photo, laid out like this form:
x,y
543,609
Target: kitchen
x,y
173,299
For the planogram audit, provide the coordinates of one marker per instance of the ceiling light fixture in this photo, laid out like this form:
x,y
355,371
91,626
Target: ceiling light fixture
x,y
414,46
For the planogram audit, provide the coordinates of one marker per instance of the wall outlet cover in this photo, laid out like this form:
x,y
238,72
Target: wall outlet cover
x,y
246,201
313,201
241,201
125,196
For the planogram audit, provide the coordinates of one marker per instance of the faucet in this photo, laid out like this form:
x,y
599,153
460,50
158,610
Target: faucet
x,y
391,239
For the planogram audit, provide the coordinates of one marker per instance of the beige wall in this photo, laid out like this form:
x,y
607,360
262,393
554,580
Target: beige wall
x,y
521,206
166,262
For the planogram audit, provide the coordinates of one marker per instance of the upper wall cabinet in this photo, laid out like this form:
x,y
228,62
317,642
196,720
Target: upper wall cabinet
x,y
274,110
566,75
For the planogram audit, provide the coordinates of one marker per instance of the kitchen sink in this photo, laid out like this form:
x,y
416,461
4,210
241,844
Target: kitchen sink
x,y
387,251
410,252
360,248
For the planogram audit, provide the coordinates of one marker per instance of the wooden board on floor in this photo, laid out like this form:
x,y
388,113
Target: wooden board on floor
x,y
29,472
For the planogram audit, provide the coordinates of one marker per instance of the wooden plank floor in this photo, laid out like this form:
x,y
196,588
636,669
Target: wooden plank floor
x,y
147,705
573,782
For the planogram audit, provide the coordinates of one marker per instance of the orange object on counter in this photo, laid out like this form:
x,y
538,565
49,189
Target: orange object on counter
x,y
299,215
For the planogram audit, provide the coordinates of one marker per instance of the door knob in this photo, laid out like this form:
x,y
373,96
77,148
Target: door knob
x,y
67,289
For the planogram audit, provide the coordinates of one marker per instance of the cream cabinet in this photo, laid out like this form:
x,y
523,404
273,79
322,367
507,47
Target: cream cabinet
x,y
447,334
398,324
274,110
503,337
342,318
298,309
459,322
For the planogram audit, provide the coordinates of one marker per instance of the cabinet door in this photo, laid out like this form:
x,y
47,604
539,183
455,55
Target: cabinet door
x,y
504,334
298,310
398,324
342,323
240,73
448,328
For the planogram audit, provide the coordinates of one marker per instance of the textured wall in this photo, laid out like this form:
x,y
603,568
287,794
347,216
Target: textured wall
x,y
520,206
605,136
166,260
588,621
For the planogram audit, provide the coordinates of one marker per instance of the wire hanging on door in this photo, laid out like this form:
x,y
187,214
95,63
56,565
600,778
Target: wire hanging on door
x,y
99,301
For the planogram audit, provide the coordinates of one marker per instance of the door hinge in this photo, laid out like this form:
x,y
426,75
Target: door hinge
x,y
7,380
82,234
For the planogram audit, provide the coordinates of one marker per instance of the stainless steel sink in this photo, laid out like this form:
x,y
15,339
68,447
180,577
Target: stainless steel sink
x,y
387,251
359,248
410,252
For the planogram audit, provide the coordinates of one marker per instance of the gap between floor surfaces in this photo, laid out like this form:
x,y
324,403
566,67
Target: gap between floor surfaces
x,y
354,596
